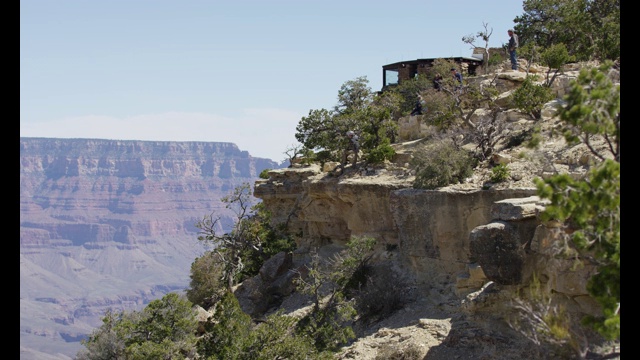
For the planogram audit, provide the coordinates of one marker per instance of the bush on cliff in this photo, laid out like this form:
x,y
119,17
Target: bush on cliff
x,y
590,208
441,165
244,249
164,329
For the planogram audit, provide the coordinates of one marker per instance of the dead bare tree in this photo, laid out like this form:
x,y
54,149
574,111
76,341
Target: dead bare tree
x,y
484,35
229,246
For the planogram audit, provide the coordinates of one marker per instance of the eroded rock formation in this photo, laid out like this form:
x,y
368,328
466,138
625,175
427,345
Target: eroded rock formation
x,y
111,224
467,251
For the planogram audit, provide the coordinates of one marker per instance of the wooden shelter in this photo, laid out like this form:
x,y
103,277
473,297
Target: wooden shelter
x,y
394,74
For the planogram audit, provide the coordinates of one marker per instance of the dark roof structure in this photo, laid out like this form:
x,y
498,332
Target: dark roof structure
x,y
394,74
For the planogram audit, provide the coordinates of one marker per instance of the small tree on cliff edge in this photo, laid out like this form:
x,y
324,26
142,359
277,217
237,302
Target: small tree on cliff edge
x,y
243,250
359,110
589,29
164,329
484,35
230,246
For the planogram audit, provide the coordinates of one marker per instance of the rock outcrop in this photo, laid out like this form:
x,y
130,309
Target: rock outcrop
x,y
466,250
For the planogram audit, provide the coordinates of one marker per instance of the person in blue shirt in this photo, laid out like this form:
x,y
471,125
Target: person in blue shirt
x,y
513,45
458,77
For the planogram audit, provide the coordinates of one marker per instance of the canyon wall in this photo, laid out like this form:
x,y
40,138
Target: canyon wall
x,y
111,224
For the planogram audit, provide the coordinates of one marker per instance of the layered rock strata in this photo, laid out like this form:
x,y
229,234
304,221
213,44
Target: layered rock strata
x,y
111,224
459,241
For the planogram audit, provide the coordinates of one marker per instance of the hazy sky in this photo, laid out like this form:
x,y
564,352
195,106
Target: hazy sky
x,y
241,71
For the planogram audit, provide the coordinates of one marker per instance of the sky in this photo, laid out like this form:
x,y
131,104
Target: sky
x,y
240,71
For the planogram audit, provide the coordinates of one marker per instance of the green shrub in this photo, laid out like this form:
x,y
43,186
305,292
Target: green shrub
x,y
231,334
275,338
380,295
535,138
409,90
556,56
590,207
227,332
496,59
499,173
308,156
353,268
392,352
328,323
269,240
206,285
380,153
164,329
530,97
328,327
441,165
495,62
264,174
324,156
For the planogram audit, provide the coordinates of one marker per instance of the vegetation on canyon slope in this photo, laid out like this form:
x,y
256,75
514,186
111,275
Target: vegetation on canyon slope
x,y
588,209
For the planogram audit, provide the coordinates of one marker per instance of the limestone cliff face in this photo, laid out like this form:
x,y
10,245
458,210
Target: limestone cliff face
x,y
471,250
457,240
111,223
429,229
434,227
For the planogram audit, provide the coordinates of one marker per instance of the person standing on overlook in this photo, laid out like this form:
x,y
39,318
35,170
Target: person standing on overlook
x,y
437,82
354,146
512,46
417,109
457,77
